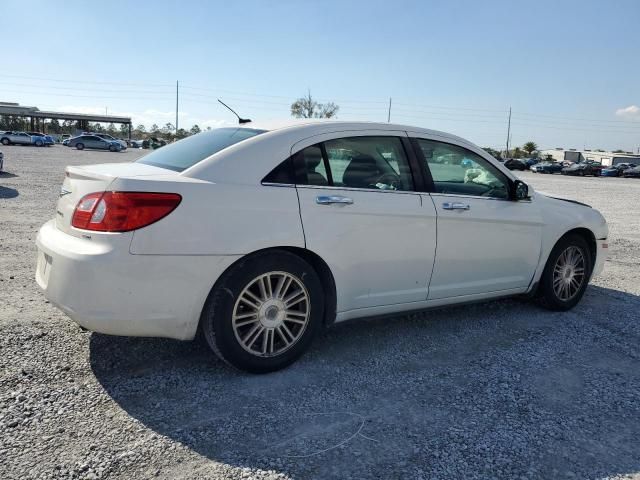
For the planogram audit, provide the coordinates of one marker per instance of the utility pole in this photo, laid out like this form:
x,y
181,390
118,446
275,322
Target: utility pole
x,y
389,112
508,134
176,108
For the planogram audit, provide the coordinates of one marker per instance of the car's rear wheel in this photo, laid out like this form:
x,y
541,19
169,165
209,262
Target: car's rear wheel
x,y
80,146
5,141
566,274
264,312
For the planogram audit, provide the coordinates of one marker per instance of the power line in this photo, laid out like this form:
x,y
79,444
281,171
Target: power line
x,y
39,87
88,81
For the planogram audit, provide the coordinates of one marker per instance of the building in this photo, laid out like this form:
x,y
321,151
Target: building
x,y
37,117
605,158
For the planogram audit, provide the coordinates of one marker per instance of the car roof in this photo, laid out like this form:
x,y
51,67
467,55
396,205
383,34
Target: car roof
x,y
326,125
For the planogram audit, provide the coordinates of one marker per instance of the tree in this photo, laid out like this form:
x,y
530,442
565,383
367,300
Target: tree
x,y
111,129
181,133
155,130
530,147
619,151
492,152
307,107
124,130
54,126
516,153
194,130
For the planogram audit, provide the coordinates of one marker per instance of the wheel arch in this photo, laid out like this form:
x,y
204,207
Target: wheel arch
x,y
588,236
317,263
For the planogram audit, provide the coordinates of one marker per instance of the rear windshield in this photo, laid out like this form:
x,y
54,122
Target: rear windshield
x,y
187,152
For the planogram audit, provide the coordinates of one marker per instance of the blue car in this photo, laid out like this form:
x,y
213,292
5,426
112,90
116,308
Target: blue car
x,y
616,170
41,139
547,167
529,162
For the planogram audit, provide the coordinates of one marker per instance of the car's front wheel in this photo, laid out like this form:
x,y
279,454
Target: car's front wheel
x,y
80,146
264,312
566,274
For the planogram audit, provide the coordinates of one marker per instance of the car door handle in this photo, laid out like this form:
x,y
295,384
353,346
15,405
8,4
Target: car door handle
x,y
455,206
330,199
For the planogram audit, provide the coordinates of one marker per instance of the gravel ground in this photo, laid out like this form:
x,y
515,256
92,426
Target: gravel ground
x,y
496,390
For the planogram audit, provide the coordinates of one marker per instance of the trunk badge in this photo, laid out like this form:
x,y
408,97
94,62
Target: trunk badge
x,y
64,191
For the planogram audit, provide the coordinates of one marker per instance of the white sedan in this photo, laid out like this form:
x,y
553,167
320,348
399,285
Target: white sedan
x,y
260,235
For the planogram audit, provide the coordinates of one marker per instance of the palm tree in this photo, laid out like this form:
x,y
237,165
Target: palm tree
x,y
530,147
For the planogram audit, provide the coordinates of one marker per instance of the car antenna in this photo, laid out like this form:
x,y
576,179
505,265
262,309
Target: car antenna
x,y
240,120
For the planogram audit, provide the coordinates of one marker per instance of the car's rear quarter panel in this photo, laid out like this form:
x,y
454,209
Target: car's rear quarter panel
x,y
218,219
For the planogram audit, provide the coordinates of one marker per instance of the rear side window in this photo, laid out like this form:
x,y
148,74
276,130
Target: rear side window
x,y
356,162
183,154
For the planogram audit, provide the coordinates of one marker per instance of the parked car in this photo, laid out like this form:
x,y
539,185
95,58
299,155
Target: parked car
x,y
531,161
16,138
153,143
41,139
93,141
616,170
136,143
106,136
547,167
583,168
632,172
348,216
515,164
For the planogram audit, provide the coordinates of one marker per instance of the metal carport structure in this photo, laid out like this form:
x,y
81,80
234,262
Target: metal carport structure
x,y
37,117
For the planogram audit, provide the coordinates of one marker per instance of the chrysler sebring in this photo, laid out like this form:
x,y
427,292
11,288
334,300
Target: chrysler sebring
x,y
257,236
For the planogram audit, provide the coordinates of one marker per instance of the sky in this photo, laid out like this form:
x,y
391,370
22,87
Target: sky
x,y
569,70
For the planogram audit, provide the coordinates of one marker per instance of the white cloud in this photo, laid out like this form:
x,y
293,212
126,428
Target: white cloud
x,y
632,111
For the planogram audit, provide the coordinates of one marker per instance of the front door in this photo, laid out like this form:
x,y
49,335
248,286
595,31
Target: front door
x,y
487,243
360,213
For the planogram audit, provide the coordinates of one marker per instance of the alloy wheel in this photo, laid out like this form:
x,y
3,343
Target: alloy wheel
x,y
569,273
271,314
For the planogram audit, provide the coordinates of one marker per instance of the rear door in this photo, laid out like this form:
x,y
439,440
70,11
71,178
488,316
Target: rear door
x,y
23,138
360,212
487,243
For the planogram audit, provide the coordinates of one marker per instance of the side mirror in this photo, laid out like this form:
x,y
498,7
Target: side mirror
x,y
521,190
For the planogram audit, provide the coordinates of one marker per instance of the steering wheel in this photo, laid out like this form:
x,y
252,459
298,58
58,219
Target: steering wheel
x,y
390,179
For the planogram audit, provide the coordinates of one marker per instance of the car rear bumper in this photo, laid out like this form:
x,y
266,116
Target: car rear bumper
x,y
106,289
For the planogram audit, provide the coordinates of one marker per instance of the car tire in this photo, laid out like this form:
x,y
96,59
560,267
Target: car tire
x,y
112,148
5,141
244,320
566,274
39,143
80,146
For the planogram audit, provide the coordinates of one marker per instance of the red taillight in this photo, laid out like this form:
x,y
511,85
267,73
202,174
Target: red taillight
x,y
122,211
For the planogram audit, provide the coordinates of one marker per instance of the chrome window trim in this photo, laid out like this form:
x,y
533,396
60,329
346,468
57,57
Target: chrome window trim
x,y
477,197
352,189
275,184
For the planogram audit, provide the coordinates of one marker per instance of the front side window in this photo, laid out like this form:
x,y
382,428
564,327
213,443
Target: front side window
x,y
458,171
356,162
